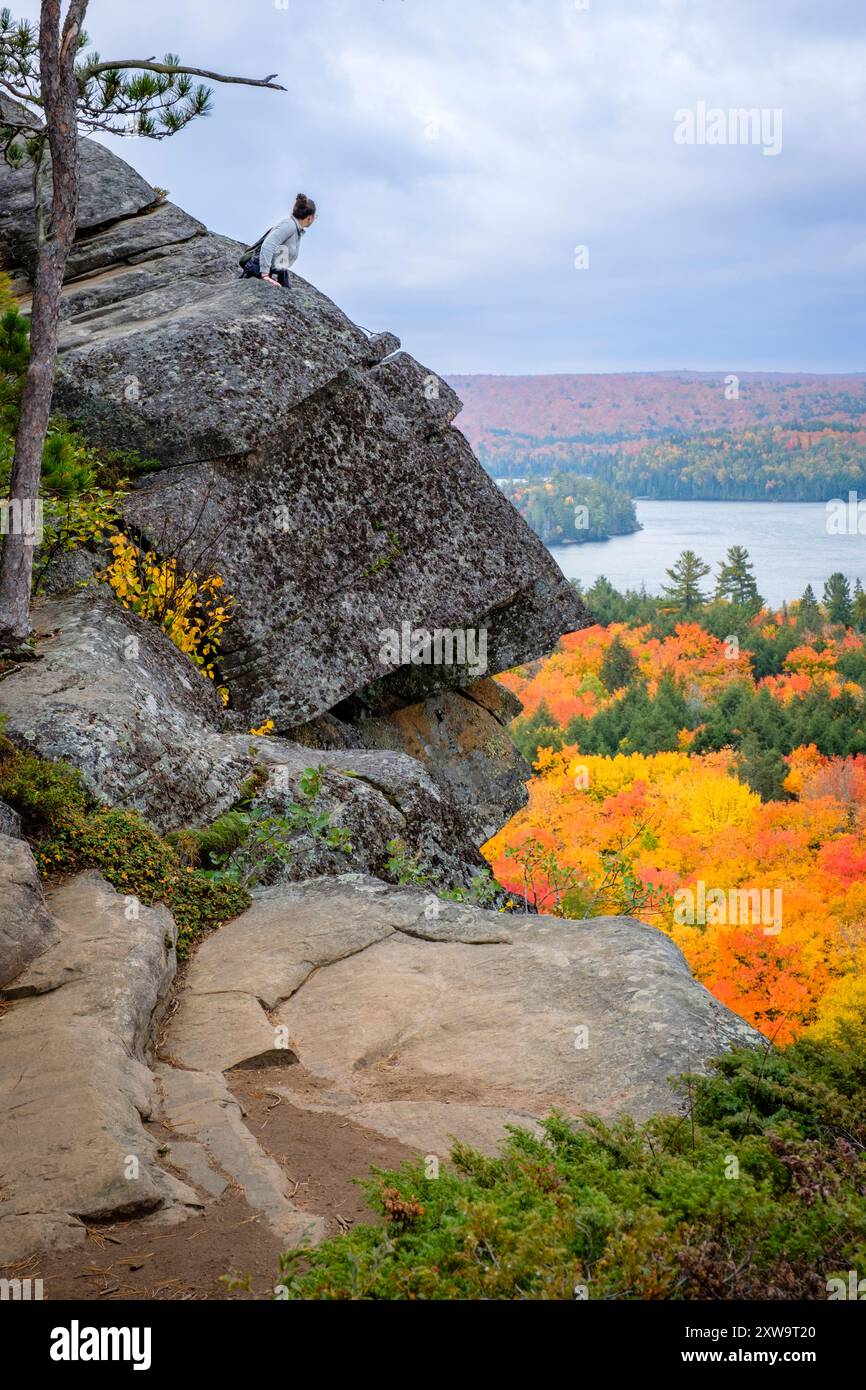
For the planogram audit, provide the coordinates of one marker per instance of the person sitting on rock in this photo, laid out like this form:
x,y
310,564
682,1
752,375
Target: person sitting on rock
x,y
281,247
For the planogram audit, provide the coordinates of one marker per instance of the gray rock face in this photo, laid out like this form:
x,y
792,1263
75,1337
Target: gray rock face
x,y
425,1019
466,753
314,467
376,797
74,1087
110,191
113,697
26,925
195,367
326,562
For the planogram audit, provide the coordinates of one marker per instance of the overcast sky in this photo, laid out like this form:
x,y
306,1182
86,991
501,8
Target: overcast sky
x,y
461,150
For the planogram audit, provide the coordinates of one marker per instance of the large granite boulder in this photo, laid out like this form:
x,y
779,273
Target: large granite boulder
x,y
424,1019
314,466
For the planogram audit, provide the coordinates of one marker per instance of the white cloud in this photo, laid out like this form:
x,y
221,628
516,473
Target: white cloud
x,y
461,149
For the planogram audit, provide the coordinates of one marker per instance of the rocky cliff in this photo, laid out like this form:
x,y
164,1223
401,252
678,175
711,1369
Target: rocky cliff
x,y
317,470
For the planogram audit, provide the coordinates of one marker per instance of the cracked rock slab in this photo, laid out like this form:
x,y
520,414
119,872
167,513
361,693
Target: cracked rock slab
x,y
214,1032
263,957
425,1019
583,1016
74,1086
199,1106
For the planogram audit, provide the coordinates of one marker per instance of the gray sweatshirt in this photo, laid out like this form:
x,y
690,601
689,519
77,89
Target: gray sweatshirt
x,y
281,246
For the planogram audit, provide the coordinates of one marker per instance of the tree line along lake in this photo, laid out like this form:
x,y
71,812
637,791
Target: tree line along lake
x,y
789,544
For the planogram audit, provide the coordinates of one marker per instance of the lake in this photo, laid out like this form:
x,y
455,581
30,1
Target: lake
x,y
788,543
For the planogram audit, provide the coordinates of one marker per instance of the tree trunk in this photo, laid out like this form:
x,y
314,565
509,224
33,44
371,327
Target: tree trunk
x,y
59,89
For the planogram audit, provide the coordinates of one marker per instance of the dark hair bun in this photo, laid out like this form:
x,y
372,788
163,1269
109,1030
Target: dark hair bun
x,y
304,207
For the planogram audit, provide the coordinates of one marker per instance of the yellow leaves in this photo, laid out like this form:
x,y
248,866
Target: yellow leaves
x,y
844,1001
609,776
710,805
158,591
267,728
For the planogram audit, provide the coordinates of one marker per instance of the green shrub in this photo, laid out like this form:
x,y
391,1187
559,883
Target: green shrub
x,y
70,831
249,844
758,1193
41,792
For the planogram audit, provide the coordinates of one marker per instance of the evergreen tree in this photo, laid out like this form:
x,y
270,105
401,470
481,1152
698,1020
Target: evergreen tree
x,y
858,608
763,769
618,668
604,603
809,618
684,590
14,355
837,599
736,579
540,730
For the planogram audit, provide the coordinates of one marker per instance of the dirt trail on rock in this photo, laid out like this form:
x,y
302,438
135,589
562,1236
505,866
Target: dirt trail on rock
x,y
143,1259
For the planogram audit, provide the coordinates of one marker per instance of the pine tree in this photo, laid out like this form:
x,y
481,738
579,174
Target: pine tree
x,y
540,730
736,579
684,590
809,617
837,599
14,355
762,769
618,668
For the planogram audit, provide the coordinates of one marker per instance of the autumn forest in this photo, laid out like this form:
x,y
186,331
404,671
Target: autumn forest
x,y
700,762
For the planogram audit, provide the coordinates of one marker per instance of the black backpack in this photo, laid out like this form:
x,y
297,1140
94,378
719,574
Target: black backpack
x,y
253,251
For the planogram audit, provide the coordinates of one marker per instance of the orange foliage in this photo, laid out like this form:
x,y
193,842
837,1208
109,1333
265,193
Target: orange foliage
x,y
684,823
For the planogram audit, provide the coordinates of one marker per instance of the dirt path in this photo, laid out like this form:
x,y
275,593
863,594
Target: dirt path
x,y
144,1259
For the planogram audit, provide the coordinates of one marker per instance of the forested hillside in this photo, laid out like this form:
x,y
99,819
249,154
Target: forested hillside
x,y
686,435
568,509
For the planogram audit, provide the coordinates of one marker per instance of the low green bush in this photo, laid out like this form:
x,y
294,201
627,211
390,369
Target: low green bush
x,y
70,831
757,1192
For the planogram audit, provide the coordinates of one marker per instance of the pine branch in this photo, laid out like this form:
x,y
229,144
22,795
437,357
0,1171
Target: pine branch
x,y
176,69
17,93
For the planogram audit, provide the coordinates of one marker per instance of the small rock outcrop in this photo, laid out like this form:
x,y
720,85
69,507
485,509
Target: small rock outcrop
x,y
460,738
112,696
